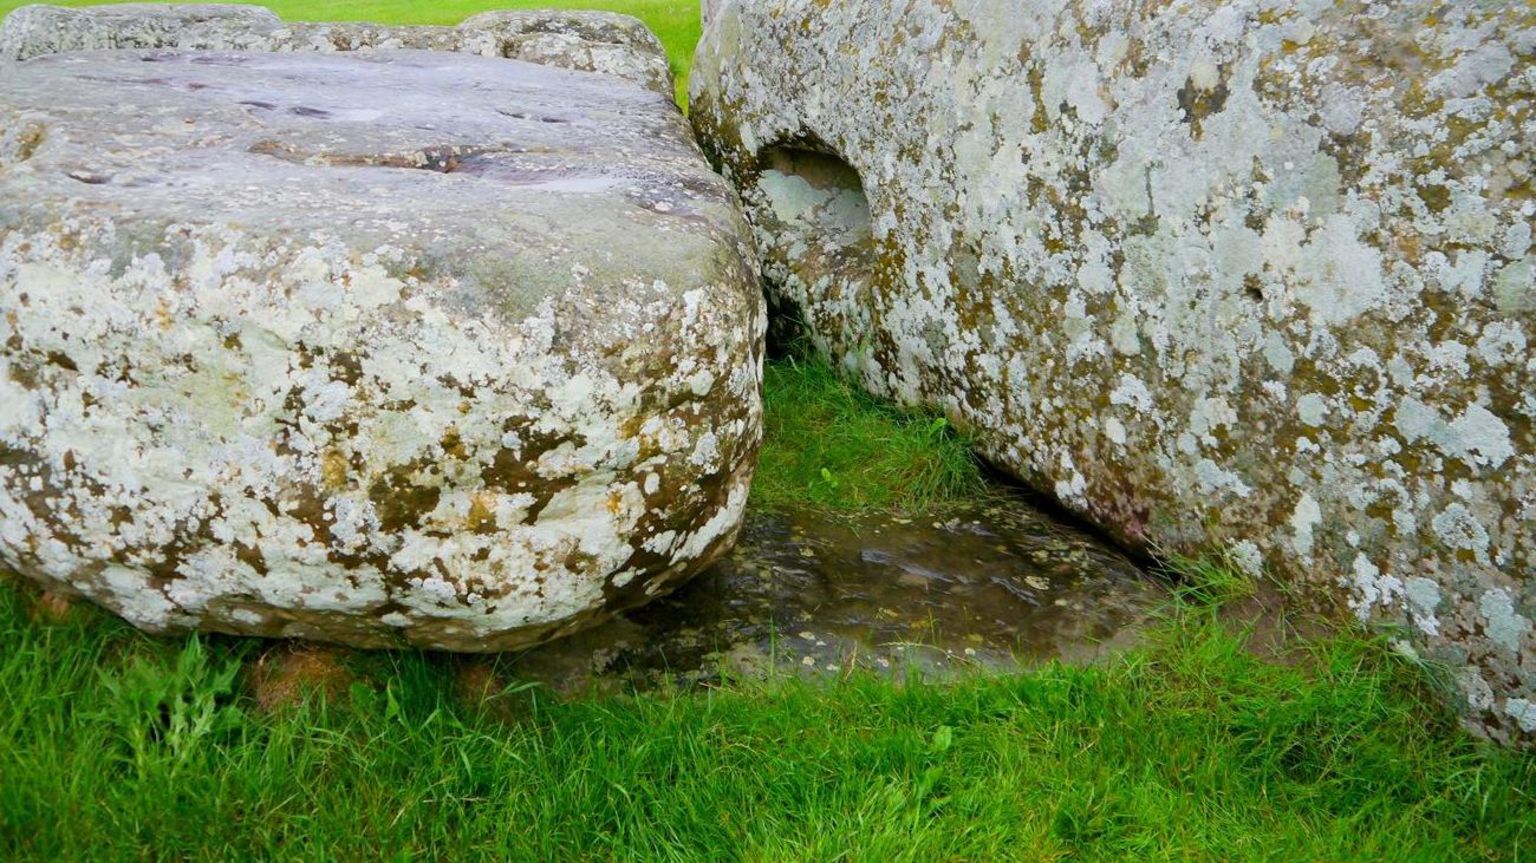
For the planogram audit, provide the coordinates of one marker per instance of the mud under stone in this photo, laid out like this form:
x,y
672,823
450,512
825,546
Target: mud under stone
x,y
998,585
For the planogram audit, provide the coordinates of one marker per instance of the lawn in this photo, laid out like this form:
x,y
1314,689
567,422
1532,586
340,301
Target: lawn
x,y
121,747
675,22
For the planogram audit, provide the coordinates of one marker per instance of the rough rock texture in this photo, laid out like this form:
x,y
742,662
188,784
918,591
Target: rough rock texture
x,y
585,41
1249,276
405,347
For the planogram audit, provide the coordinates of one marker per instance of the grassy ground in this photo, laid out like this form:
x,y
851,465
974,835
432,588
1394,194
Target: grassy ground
x,y
675,22
120,747
829,445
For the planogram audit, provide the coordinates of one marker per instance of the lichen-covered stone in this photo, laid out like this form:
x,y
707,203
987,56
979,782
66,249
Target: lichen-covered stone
x,y
391,348
1250,276
603,42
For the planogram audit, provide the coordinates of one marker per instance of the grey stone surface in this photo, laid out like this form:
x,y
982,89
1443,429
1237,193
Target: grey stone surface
x,y
390,348
991,586
1250,278
603,42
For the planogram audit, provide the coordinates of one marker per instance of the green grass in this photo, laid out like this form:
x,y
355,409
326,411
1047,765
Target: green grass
x,y
114,746
675,22
828,444
1211,581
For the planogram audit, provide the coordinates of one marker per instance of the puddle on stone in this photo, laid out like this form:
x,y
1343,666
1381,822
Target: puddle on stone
x,y
993,586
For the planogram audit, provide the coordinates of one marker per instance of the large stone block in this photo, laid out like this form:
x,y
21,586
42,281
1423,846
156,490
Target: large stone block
x,y
391,348
1252,277
603,42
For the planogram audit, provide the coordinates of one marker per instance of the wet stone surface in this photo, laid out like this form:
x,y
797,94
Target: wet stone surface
x,y
992,586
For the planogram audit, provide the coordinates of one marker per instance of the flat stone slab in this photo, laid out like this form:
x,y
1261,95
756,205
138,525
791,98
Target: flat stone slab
x,y
391,348
993,587
602,42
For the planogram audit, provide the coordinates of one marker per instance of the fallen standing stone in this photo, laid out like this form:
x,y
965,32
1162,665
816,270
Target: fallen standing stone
x,y
1233,278
384,348
602,42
